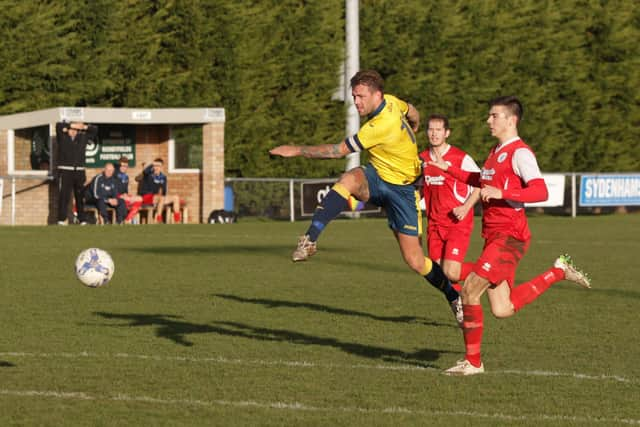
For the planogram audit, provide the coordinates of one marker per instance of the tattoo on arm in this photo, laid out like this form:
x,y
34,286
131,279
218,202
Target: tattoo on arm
x,y
326,151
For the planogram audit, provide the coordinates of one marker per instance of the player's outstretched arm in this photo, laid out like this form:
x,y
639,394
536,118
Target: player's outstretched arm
x,y
325,151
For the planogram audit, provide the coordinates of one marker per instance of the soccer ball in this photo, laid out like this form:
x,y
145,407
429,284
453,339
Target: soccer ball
x,y
94,267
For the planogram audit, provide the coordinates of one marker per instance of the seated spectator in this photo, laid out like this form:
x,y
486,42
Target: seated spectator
x,y
103,192
133,202
153,188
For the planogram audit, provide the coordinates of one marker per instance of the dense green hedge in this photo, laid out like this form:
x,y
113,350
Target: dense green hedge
x,y
273,65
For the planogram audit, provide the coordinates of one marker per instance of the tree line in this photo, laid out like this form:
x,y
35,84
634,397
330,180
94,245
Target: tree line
x,y
274,66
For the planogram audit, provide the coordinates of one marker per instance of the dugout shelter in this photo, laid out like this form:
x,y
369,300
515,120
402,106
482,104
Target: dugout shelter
x,y
189,140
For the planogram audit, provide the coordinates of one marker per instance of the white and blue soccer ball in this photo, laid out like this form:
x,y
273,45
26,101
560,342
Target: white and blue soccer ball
x,y
94,267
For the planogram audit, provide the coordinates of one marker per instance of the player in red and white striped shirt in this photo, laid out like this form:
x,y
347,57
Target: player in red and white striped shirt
x,y
509,178
448,201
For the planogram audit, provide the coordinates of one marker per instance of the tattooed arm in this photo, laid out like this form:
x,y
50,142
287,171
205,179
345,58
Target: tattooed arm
x,y
325,151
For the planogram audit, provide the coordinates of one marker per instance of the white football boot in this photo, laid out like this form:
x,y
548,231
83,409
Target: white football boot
x,y
464,367
305,249
571,273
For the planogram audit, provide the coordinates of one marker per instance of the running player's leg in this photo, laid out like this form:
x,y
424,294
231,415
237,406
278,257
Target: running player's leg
x,y
435,245
351,182
432,272
405,219
465,269
336,201
497,264
472,326
506,302
414,257
455,250
455,245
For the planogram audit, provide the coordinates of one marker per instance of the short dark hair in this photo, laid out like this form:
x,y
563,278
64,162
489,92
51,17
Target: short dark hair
x,y
123,159
512,103
159,160
441,117
370,78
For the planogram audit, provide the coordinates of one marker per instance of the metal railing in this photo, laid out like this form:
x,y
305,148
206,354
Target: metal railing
x,y
281,198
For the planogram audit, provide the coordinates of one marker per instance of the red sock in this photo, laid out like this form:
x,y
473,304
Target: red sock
x,y
527,292
135,207
472,328
158,218
465,269
177,217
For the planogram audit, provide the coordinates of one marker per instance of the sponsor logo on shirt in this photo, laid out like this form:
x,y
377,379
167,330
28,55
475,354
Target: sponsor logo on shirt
x,y
501,157
487,174
486,266
435,180
455,251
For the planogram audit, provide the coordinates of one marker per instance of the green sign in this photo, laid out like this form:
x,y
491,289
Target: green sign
x,y
113,142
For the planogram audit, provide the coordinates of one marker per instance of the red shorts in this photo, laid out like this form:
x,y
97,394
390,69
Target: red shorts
x,y
500,257
147,199
447,243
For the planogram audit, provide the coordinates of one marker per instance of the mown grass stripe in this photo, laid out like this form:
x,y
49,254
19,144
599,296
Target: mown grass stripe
x,y
297,406
307,364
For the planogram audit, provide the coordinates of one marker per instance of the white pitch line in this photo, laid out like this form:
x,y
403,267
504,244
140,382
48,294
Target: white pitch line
x,y
307,364
296,406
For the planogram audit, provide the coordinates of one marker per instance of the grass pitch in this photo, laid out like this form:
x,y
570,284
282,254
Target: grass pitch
x,y
214,325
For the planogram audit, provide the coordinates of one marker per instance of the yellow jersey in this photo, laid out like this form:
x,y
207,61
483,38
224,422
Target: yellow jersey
x,y
390,141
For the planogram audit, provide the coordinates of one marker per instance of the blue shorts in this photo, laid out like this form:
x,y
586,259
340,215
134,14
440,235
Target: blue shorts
x,y
401,202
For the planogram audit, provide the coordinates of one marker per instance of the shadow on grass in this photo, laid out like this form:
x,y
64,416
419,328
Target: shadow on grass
x,y
5,364
213,249
271,303
280,251
177,330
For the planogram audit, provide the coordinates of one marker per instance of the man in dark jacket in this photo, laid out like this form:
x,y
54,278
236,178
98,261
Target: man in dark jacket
x,y
71,140
153,189
103,191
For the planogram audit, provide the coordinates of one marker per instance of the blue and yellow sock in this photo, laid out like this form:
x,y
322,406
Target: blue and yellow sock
x,y
433,274
333,203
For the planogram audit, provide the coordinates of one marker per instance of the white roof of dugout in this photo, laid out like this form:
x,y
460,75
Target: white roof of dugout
x,y
138,116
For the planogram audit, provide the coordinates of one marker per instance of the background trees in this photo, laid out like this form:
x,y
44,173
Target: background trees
x,y
273,65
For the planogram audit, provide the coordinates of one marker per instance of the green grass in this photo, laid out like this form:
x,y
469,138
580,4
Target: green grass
x,y
213,325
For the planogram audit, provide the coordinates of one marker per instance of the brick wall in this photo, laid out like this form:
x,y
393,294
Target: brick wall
x,y
32,195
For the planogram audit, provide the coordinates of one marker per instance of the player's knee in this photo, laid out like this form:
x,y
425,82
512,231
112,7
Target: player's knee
x,y
472,291
502,312
352,180
467,292
452,273
415,263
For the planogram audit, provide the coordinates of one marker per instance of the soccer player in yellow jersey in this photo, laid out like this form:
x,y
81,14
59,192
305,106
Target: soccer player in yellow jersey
x,y
389,137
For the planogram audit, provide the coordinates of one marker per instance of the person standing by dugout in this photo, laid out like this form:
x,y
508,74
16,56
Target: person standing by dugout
x,y
71,139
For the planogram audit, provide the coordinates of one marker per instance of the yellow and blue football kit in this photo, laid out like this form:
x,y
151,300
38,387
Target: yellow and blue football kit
x,y
394,164
393,168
